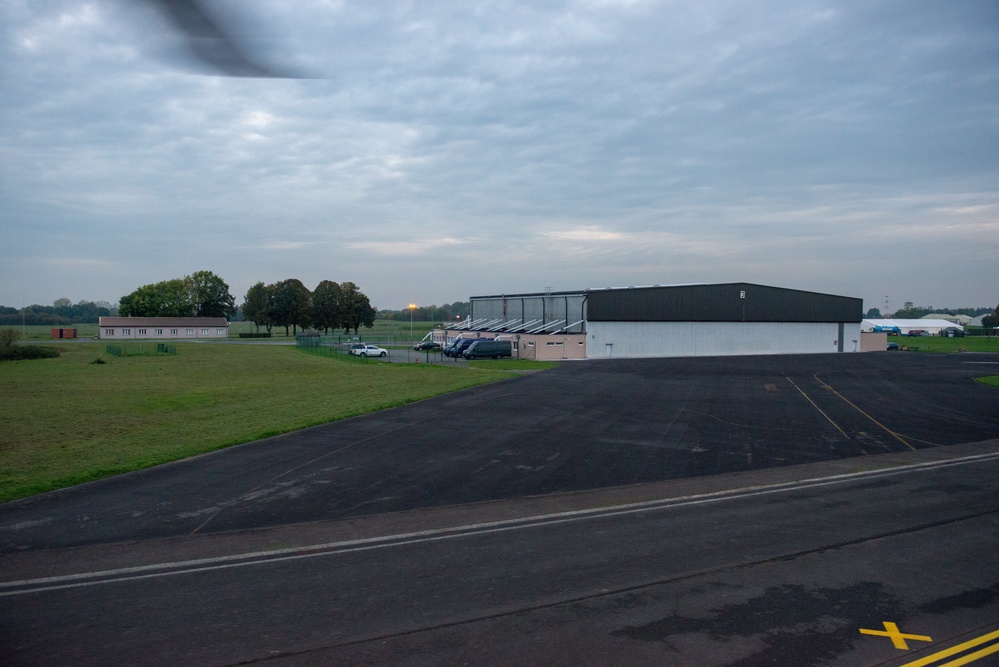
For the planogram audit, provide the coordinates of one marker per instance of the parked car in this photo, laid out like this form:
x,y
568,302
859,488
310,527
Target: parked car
x,y
952,332
493,349
459,346
427,345
368,351
916,332
892,346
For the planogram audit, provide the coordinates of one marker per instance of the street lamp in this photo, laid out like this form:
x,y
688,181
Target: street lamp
x,y
412,307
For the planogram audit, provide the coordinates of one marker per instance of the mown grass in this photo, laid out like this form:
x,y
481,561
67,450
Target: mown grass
x,y
68,420
941,344
513,364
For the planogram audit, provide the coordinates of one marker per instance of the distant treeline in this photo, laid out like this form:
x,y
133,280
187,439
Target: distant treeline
x,y
60,313
448,311
912,312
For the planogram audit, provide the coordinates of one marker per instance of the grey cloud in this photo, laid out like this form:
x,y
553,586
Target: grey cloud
x,y
704,141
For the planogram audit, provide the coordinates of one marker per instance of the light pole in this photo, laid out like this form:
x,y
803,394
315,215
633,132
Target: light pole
x,y
412,307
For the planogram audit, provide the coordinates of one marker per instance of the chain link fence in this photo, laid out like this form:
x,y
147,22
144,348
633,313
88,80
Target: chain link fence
x,y
398,350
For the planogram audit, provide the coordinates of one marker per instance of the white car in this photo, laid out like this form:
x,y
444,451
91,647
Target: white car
x,y
368,351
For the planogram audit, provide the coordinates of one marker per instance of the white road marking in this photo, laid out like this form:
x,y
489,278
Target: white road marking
x,y
119,575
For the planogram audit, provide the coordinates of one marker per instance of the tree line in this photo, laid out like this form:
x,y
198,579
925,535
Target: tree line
x,y
290,304
448,312
61,312
287,303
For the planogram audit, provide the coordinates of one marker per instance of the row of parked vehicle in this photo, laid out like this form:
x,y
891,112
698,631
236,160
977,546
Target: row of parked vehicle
x,y
479,348
468,348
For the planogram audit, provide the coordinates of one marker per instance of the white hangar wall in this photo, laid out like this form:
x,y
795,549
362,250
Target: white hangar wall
x,y
696,339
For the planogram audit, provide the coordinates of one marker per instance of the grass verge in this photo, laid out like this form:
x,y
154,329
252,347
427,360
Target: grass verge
x,y
69,420
947,345
513,364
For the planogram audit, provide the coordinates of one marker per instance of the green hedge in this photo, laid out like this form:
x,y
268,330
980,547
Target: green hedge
x,y
19,352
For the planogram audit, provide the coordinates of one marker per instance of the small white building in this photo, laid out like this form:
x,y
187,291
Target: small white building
x,y
121,328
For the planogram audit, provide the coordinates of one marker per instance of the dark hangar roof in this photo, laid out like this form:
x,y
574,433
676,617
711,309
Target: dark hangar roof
x,y
730,302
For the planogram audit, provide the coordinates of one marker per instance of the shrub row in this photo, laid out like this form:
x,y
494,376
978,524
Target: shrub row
x,y
19,352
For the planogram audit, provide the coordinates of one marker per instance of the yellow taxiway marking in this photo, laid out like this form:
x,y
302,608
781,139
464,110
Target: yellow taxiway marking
x,y
808,398
897,636
954,650
847,401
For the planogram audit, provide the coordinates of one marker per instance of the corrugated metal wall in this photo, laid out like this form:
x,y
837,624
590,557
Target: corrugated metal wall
x,y
563,308
622,340
733,302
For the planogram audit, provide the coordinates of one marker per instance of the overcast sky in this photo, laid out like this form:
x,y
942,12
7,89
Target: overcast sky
x,y
447,149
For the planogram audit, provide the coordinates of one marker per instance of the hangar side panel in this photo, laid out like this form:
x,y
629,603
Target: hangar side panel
x,y
559,310
626,340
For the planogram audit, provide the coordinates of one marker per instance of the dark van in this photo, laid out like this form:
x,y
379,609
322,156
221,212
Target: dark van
x,y
457,347
493,349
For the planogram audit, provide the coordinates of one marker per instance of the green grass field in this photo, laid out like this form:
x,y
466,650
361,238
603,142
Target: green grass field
x,y
939,344
68,420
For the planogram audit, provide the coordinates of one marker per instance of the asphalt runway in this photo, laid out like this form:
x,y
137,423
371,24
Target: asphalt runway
x,y
582,426
839,510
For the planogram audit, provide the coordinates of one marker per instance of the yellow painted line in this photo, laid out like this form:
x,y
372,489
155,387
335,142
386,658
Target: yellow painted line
x,y
896,636
807,398
977,655
847,401
953,650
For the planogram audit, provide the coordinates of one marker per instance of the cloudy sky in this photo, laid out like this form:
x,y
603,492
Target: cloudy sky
x,y
429,151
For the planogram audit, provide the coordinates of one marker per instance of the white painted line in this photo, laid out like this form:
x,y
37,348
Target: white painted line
x,y
118,575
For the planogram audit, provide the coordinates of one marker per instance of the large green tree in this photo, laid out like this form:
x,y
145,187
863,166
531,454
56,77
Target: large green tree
x,y
256,306
201,294
357,309
209,295
168,298
327,307
288,304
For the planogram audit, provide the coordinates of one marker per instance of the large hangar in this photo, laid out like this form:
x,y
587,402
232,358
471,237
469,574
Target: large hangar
x,y
677,320
712,320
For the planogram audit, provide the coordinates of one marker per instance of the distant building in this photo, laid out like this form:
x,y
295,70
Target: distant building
x,y
907,326
118,328
963,320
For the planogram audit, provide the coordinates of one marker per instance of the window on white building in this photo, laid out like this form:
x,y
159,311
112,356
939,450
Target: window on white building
x,y
173,332
142,332
159,332
190,332
126,332
220,332
204,332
